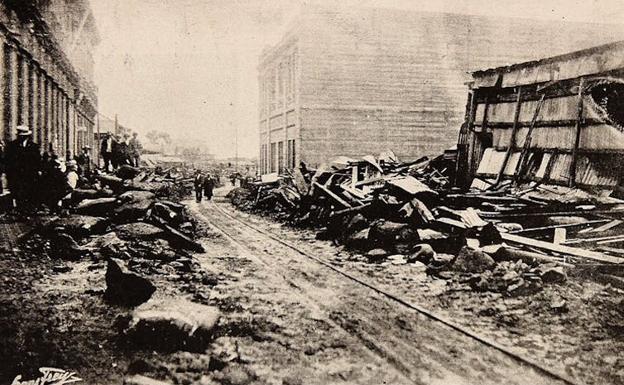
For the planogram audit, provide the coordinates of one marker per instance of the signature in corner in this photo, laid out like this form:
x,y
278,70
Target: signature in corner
x,y
49,376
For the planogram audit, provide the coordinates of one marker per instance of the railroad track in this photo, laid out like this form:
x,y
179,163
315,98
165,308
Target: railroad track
x,y
366,331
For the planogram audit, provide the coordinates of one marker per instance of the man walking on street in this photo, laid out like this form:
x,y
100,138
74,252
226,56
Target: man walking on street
x,y
199,186
23,163
208,187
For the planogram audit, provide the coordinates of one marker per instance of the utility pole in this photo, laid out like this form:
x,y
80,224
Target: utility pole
x,y
99,140
236,146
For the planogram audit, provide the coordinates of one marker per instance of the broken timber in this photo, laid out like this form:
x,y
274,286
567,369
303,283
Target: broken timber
x,y
572,251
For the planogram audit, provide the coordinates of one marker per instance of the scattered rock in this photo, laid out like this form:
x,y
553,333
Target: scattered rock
x,y
376,255
422,253
124,287
359,240
472,261
559,305
81,226
489,235
63,246
397,259
61,268
551,273
356,224
173,324
138,231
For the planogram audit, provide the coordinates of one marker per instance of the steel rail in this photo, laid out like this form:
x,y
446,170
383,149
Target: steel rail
x,y
428,313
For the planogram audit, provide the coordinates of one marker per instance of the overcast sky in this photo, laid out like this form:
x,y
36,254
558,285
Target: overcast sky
x,y
188,67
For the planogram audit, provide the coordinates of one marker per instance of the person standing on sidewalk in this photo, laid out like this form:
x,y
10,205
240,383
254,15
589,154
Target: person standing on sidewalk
x,y
199,186
23,164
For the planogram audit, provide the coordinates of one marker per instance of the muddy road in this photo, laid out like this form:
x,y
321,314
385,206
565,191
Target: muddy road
x,y
329,329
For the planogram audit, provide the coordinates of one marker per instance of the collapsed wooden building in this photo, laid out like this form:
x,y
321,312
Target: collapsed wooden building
x,y
558,121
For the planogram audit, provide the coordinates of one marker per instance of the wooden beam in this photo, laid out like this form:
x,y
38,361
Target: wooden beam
x,y
332,195
572,251
527,139
552,227
577,138
512,140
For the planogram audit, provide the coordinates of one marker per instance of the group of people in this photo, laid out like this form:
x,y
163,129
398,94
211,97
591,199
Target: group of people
x,y
204,186
117,151
36,179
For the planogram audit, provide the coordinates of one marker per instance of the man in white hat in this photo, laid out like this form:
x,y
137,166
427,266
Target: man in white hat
x,y
23,162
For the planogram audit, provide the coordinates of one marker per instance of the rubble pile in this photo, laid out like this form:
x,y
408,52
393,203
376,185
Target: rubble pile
x,y
132,227
509,237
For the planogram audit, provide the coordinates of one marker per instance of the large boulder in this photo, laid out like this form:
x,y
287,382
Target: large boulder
x,y
472,261
138,231
134,196
385,234
63,246
173,324
134,206
80,226
100,207
124,287
358,241
357,223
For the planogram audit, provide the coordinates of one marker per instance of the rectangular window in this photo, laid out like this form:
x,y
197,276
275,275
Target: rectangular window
x,y
291,154
272,157
272,78
280,157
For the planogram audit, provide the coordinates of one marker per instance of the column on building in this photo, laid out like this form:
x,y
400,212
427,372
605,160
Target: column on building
x,y
12,95
25,91
4,82
54,134
34,119
46,113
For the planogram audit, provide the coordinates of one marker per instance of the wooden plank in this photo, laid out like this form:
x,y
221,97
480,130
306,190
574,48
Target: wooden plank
x,y
527,140
575,252
610,238
332,195
577,138
607,226
560,236
512,141
552,227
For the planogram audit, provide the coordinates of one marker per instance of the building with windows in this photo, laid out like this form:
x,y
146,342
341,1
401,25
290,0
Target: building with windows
x,y
47,72
363,81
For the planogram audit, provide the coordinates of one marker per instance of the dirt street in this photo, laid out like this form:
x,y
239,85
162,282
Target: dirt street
x,y
328,329
287,319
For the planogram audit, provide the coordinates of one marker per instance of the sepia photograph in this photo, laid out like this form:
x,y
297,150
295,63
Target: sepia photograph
x,y
311,192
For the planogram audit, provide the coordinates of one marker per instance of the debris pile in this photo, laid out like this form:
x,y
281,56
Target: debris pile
x,y
131,226
505,236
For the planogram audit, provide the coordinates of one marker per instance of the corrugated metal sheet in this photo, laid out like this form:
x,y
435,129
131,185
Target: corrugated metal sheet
x,y
591,170
492,162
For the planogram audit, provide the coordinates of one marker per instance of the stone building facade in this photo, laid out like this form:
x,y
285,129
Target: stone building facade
x,y
46,72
